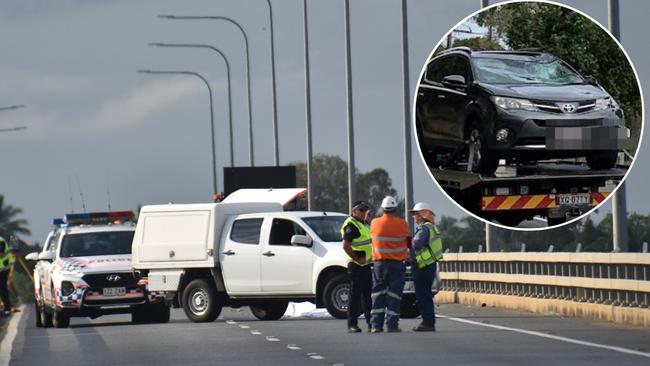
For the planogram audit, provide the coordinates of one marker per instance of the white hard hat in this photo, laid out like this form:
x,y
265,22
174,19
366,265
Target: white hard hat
x,y
421,206
389,202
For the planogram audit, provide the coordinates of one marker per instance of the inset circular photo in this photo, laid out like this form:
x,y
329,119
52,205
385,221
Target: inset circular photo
x,y
528,114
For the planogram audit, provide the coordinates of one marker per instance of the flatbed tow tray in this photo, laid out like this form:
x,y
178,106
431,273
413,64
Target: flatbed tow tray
x,y
460,180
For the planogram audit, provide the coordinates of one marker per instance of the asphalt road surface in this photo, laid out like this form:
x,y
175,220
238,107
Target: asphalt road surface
x,y
465,336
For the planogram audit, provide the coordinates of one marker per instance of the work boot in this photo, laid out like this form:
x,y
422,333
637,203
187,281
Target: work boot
x,y
423,327
354,329
395,329
376,330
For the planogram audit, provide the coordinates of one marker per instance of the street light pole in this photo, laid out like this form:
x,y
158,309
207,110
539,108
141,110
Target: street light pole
x,y
489,231
406,92
207,84
350,115
248,71
310,193
189,45
619,204
276,152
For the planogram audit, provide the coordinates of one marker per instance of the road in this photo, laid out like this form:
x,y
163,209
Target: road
x,y
466,336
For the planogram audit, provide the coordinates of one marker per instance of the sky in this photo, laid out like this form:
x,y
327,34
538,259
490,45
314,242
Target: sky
x,y
97,128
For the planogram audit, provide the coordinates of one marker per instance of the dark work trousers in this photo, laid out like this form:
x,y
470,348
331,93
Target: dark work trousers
x,y
387,287
360,287
423,280
4,290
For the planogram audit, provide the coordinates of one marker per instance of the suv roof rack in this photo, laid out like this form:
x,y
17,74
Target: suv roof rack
x,y
459,48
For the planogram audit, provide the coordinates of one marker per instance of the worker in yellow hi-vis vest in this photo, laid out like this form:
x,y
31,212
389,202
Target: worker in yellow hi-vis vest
x,y
6,261
426,251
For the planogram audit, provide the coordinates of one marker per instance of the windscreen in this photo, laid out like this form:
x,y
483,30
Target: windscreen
x,y
100,243
525,70
328,228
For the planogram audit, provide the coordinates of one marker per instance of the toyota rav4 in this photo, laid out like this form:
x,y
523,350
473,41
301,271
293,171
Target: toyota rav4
x,y
521,106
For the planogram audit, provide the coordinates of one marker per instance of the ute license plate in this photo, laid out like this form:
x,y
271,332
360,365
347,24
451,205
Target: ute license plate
x,y
574,199
114,291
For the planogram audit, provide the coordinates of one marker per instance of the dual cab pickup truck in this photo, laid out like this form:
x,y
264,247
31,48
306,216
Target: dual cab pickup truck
x,y
207,256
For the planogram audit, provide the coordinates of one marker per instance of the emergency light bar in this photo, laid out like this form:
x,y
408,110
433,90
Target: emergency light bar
x,y
97,217
58,221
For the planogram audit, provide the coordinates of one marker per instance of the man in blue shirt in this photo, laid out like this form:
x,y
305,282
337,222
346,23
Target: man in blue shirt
x,y
424,273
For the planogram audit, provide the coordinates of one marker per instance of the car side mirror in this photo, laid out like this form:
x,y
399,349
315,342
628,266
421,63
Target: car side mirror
x,y
591,80
301,241
46,256
33,256
454,80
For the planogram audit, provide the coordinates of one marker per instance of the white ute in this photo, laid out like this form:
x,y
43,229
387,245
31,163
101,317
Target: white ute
x,y
243,253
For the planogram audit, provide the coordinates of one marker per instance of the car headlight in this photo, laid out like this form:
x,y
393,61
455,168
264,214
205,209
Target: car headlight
x,y
605,103
67,288
513,103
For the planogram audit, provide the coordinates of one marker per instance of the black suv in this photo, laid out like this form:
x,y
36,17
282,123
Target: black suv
x,y
522,106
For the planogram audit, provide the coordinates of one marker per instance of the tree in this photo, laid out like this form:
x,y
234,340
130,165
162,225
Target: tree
x,y
572,37
478,43
9,224
330,185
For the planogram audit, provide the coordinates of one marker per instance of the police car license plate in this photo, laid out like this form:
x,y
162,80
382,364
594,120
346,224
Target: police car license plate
x,y
574,199
114,291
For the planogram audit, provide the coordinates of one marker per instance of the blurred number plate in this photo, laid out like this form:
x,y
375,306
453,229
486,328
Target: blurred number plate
x,y
115,291
574,199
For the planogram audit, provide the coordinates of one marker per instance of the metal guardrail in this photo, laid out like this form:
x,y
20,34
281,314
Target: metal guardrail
x,y
619,279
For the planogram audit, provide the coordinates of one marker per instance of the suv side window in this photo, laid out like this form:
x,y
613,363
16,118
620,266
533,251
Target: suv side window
x,y
438,69
246,231
460,66
54,242
282,230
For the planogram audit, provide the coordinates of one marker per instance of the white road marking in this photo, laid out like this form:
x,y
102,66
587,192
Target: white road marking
x,y
8,341
231,322
272,339
293,347
244,326
256,332
550,336
315,356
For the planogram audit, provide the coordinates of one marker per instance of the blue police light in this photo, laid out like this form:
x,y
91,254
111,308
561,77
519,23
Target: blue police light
x,y
98,217
57,221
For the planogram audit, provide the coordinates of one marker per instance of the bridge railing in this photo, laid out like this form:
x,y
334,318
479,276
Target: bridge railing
x,y
619,279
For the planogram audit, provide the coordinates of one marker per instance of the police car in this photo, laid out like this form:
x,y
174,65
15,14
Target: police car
x,y
84,270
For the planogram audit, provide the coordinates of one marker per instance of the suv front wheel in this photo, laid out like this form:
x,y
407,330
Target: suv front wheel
x,y
483,160
602,159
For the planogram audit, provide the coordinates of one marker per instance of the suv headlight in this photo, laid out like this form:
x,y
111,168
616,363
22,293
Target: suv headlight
x,y
605,103
513,103
67,288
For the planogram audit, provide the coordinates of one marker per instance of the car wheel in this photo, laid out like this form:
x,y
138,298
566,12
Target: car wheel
x,y
60,319
482,160
37,317
160,313
139,314
200,301
270,311
409,308
602,160
336,296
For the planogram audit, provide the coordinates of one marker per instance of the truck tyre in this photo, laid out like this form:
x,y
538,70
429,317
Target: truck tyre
x,y
269,311
200,301
602,160
37,316
160,313
60,319
336,296
409,308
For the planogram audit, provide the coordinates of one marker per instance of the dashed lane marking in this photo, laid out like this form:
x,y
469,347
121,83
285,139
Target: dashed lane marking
x,y
256,332
550,336
272,339
293,347
8,341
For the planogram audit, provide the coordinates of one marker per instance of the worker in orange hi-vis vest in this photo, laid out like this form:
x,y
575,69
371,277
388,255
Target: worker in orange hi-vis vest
x,y
390,237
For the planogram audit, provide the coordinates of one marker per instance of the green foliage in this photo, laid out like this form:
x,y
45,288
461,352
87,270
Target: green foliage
x,y
478,43
11,225
330,184
572,37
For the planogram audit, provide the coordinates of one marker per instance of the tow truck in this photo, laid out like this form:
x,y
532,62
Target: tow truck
x,y
555,190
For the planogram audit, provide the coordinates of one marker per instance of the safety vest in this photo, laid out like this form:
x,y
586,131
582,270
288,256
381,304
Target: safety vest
x,y
362,243
8,259
389,238
433,251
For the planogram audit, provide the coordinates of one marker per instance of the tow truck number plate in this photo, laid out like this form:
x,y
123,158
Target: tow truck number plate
x,y
574,199
114,291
